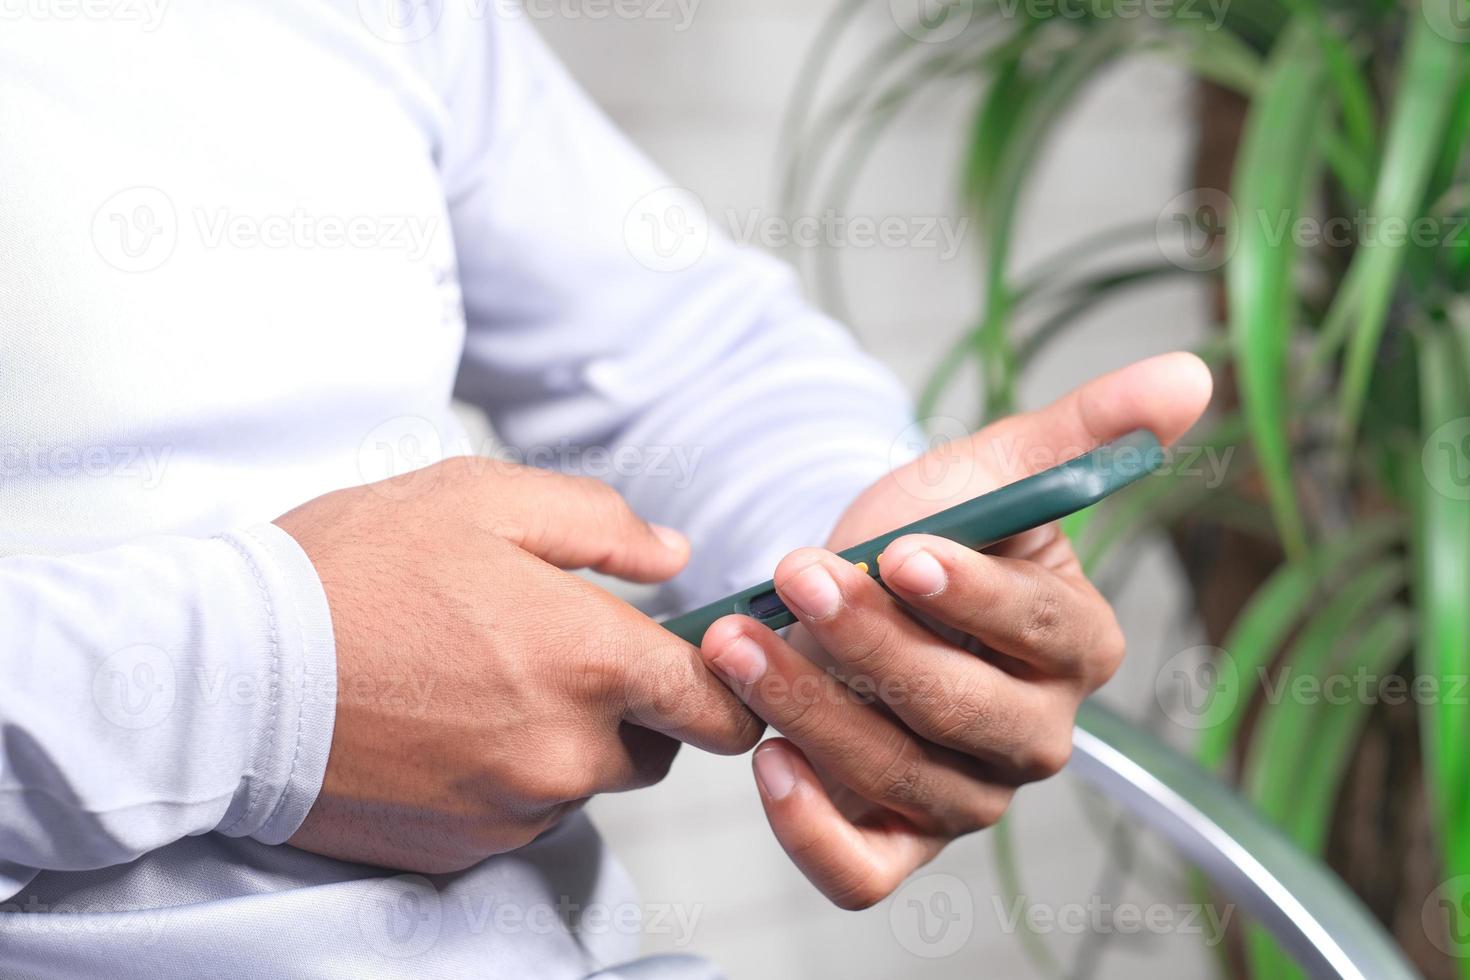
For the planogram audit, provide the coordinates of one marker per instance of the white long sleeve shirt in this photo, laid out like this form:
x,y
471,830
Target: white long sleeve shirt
x,y
248,251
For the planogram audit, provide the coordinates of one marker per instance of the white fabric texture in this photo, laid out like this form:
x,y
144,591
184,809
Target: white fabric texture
x,y
248,251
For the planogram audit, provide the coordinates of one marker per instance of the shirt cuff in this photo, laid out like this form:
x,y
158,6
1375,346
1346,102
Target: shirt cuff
x,y
293,725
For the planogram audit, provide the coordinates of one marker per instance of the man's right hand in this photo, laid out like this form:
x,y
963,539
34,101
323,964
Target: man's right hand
x,y
535,689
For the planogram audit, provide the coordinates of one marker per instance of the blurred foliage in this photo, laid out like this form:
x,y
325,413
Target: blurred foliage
x,y
1350,359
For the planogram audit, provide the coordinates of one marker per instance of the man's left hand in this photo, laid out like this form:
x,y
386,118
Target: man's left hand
x,y
899,739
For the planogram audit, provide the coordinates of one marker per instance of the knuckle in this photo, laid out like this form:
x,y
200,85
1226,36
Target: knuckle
x,y
563,771
600,674
1048,756
746,733
1043,618
871,649
799,708
958,720
985,808
900,782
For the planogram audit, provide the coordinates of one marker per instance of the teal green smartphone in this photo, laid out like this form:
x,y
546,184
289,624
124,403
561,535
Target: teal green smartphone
x,y
995,516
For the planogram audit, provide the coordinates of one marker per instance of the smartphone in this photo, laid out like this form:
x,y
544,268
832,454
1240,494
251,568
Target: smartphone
x,y
984,520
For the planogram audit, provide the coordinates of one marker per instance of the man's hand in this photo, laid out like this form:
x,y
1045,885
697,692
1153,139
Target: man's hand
x,y
899,739
528,689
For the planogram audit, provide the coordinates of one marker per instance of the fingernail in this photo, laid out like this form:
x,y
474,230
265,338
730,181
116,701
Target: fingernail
x,y
919,574
774,771
741,660
814,592
673,539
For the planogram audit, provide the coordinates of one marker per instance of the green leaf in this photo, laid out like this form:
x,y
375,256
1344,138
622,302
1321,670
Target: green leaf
x,y
1272,175
1010,133
1429,77
1442,542
1276,608
1082,297
1284,747
804,92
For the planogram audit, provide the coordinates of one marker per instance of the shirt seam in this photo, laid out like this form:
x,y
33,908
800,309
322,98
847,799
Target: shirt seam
x,y
301,710
273,701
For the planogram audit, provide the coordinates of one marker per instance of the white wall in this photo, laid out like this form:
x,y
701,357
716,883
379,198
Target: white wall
x,y
705,102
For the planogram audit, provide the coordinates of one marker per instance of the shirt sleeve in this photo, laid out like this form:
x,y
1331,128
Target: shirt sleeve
x,y
613,332
162,688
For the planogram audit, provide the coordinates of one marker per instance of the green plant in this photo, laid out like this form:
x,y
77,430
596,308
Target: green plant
x,y
1357,109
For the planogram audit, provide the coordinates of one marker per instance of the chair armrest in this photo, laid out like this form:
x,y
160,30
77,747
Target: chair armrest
x,y
1314,916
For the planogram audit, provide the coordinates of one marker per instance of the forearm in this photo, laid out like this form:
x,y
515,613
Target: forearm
x,y
159,689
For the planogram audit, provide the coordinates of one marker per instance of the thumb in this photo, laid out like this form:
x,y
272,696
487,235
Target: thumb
x,y
580,522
